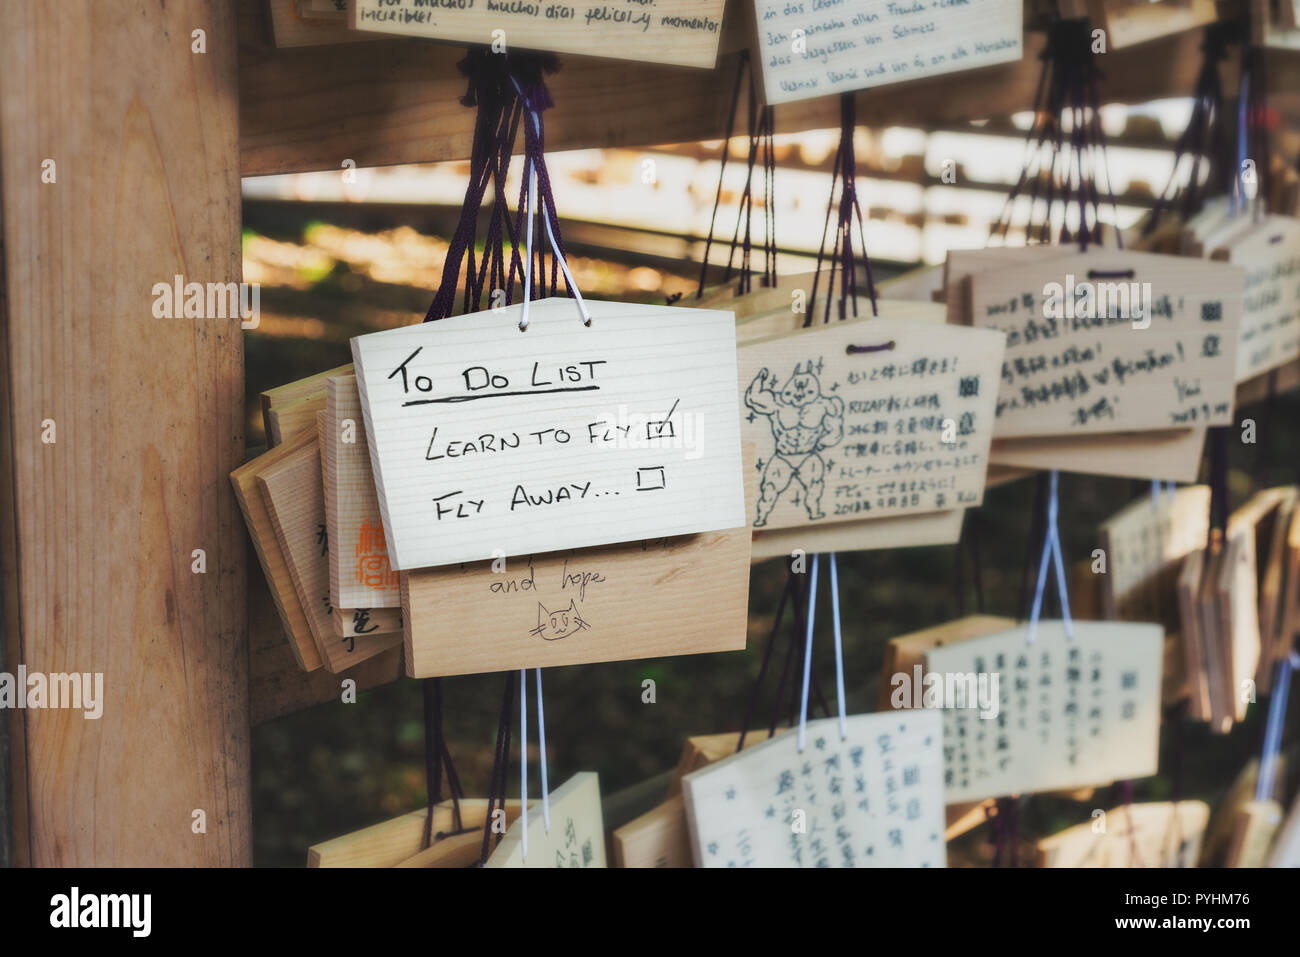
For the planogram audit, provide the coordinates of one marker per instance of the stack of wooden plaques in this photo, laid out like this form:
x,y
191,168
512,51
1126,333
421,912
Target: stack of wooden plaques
x,y
282,494
1144,547
1237,606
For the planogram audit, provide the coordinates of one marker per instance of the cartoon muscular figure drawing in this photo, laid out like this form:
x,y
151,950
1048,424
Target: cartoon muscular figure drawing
x,y
804,422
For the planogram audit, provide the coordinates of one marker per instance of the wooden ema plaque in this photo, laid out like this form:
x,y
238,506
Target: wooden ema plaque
x,y
811,48
681,32
871,799
486,440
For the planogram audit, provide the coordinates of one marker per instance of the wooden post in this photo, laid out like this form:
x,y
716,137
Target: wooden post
x,y
119,156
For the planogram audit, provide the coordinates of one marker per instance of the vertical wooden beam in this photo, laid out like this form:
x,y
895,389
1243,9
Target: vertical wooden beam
x,y
98,528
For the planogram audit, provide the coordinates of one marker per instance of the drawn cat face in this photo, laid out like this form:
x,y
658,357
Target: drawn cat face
x,y
800,389
553,625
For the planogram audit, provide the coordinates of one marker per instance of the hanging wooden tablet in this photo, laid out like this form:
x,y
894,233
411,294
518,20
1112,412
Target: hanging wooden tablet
x,y
1213,639
900,531
902,668
661,837
282,395
293,491
1220,833
1287,624
808,48
1194,650
658,838
1238,605
463,848
1164,834
926,528
1270,316
360,574
487,440
285,421
1286,848
271,557
868,419
681,32
701,750
390,843
871,799
1271,539
1256,825
576,837
1070,712
961,264
1145,543
1130,22
1110,341
279,423
1174,454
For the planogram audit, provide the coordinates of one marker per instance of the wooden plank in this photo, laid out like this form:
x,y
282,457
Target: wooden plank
x,y
775,804
360,573
292,489
1167,455
871,418
1114,668
1162,834
680,32
1144,540
270,555
808,50
282,395
576,837
674,596
290,419
401,98
1152,348
395,841
906,653
1270,321
1130,22
658,838
149,418
1256,825
1286,847
563,436
701,750
899,531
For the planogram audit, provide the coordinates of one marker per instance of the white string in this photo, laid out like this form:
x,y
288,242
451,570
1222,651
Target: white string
x,y
1051,549
531,172
807,653
541,739
839,648
523,755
